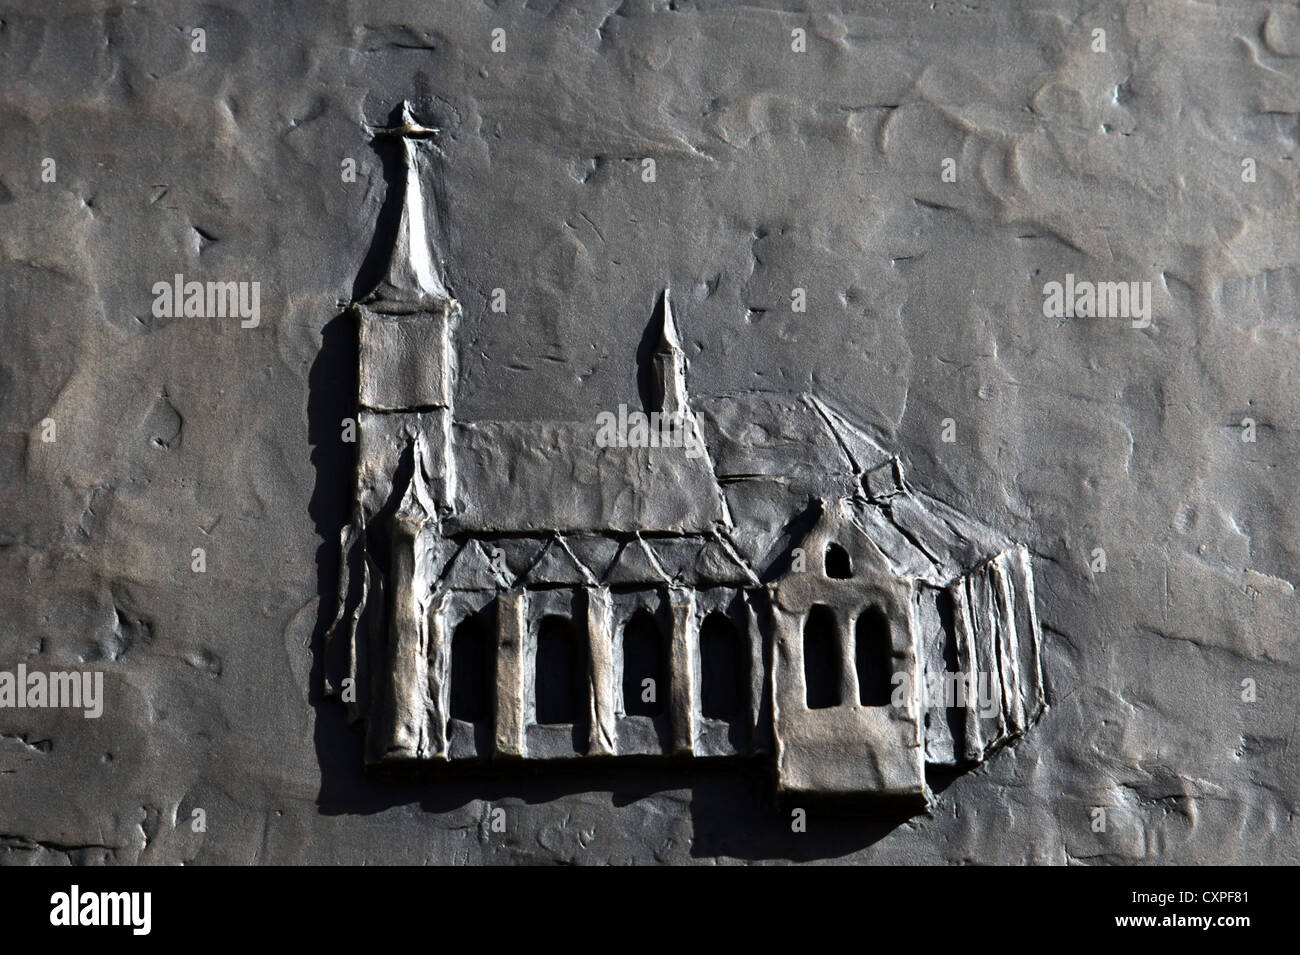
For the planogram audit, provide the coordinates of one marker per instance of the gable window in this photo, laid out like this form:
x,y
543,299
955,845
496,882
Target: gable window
x,y
838,565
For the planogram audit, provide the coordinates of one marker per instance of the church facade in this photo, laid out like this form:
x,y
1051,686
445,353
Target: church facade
x,y
533,591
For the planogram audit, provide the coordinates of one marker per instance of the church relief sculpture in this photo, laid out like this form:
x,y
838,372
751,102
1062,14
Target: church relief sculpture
x,y
528,591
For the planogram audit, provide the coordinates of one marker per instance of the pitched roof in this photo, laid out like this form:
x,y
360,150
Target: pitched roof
x,y
546,476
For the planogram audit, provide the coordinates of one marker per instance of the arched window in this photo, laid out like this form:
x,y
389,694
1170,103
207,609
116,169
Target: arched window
x,y
724,670
838,564
472,671
821,658
873,657
645,657
559,673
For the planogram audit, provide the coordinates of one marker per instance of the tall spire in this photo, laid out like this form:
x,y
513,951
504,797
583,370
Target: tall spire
x,y
411,280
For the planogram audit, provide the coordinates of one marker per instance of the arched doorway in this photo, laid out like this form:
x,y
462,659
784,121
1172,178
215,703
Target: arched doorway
x,y
724,671
645,666
559,672
473,670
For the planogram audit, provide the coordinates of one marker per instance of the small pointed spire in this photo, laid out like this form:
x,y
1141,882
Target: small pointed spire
x,y
411,279
668,340
668,381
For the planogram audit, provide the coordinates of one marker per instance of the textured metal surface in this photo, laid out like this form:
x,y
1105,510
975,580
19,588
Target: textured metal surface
x,y
1149,471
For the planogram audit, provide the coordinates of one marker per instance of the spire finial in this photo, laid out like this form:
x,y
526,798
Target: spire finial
x,y
407,126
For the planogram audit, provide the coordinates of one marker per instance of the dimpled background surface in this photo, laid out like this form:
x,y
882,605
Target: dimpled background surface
x,y
775,170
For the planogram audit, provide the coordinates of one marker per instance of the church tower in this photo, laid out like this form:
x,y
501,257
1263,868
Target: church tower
x,y
406,325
